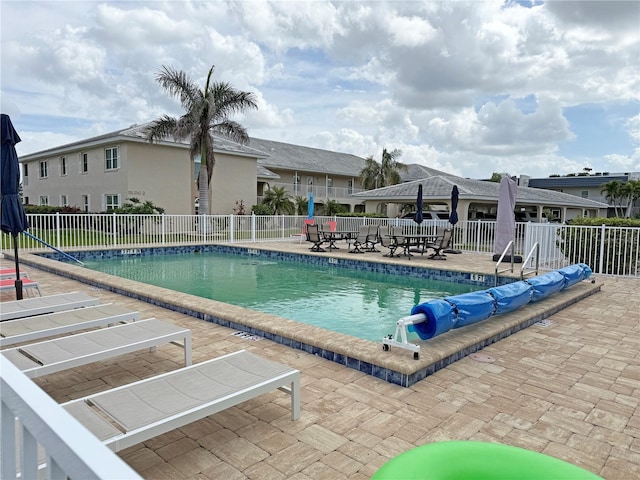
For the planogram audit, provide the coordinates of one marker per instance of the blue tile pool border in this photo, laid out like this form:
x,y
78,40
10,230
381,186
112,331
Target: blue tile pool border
x,y
383,373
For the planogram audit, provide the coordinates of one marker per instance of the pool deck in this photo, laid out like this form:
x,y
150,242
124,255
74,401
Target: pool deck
x,y
570,389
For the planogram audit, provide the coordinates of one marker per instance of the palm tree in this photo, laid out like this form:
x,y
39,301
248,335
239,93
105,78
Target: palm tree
x,y
376,175
613,193
279,200
631,191
302,205
206,113
332,207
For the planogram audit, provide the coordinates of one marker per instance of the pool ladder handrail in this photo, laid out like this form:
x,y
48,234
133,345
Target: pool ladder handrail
x,y
509,246
535,248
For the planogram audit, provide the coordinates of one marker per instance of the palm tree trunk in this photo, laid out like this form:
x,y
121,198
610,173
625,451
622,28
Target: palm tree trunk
x,y
203,201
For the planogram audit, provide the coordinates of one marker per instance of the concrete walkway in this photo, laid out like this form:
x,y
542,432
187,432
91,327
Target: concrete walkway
x,y
570,389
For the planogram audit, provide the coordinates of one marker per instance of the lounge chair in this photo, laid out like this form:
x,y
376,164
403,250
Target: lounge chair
x,y
9,284
10,273
373,238
130,414
440,244
314,236
27,329
47,304
42,358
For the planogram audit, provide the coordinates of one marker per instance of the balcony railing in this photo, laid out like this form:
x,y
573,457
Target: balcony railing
x,y
319,191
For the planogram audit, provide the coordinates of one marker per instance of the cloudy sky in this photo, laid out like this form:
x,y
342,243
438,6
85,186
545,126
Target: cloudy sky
x,y
523,87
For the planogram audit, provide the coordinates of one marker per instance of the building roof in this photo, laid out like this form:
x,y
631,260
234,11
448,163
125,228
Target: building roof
x,y
577,181
287,156
439,188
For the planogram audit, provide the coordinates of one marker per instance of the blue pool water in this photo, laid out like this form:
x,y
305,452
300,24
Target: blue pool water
x,y
358,303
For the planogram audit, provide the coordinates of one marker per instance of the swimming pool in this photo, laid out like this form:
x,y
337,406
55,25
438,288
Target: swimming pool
x,y
359,303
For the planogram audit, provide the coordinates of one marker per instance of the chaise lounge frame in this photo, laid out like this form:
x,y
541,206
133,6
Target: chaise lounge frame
x,y
130,414
46,304
50,356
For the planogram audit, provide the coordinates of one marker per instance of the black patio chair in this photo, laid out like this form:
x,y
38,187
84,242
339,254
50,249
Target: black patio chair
x,y
440,244
389,242
314,236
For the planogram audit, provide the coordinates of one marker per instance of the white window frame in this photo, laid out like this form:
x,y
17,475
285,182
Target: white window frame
x,y
43,200
112,158
108,199
64,201
43,169
63,166
86,203
84,162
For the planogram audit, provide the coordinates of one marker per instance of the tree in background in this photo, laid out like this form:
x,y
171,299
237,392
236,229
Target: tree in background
x,y
631,190
302,205
387,172
332,207
497,177
279,200
614,194
206,114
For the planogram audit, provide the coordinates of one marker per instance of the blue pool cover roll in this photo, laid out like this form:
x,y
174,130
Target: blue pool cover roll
x,y
472,307
575,273
441,317
511,296
545,285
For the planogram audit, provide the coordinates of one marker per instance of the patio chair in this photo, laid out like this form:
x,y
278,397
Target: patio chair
x,y
27,329
440,244
314,236
47,304
27,285
389,242
360,242
130,414
373,238
50,356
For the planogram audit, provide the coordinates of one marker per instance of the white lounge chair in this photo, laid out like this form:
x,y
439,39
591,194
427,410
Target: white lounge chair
x,y
28,329
42,358
47,304
130,414
27,285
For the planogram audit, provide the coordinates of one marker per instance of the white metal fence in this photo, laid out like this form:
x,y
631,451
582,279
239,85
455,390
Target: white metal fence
x,y
42,440
607,250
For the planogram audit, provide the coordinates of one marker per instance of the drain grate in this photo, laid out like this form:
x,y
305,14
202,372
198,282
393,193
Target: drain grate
x,y
247,336
482,357
544,323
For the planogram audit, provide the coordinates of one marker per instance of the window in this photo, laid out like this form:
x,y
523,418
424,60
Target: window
x,y
350,187
25,170
26,200
63,166
44,200
111,158
64,201
85,203
44,169
84,162
309,184
330,189
585,193
111,201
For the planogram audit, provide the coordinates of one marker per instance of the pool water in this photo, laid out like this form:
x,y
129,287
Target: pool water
x,y
361,304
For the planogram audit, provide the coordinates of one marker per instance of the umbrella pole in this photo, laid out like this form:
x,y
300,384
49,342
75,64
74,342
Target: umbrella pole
x,y
18,281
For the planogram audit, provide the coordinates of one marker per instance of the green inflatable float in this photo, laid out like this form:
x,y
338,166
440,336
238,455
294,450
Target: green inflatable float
x,y
469,460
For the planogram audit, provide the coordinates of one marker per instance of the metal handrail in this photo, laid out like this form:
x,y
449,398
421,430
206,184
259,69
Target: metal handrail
x,y
536,248
509,246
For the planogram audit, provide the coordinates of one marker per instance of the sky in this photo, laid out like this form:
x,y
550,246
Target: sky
x,y
471,88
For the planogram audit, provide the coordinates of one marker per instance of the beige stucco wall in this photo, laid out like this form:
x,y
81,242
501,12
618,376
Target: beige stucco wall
x,y
234,179
162,175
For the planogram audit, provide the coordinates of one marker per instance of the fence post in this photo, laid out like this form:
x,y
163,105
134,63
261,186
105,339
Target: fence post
x,y
253,227
58,229
231,233
113,227
163,217
602,252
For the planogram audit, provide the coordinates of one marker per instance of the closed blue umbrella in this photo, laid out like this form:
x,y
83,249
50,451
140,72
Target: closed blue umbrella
x,y
310,207
418,218
13,220
453,216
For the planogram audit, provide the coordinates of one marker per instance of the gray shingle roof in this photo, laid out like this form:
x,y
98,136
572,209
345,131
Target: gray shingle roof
x,y
439,188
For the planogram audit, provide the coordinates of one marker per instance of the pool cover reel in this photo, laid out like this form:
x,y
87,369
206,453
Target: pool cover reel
x,y
458,311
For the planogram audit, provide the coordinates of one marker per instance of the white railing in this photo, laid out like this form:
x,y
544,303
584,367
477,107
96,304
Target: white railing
x,y
319,191
42,440
607,250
